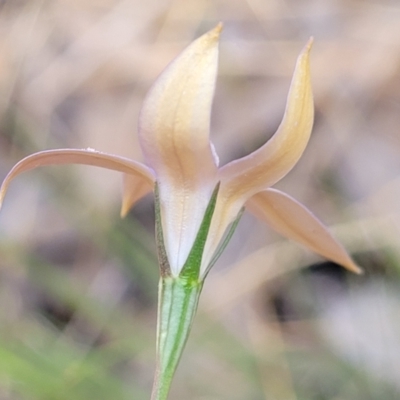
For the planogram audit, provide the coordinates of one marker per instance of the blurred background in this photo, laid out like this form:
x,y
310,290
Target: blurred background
x,y
78,285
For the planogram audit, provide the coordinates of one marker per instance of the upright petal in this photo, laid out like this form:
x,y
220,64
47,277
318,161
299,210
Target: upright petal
x,y
271,162
174,121
291,219
72,156
243,178
174,134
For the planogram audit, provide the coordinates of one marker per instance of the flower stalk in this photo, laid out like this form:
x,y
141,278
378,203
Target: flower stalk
x,y
178,300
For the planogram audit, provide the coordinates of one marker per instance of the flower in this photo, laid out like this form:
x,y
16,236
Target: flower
x,y
174,126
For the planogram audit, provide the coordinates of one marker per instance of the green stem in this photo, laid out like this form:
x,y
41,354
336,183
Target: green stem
x,y
177,305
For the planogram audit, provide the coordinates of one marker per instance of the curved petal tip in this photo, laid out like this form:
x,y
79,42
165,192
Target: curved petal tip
x,y
134,189
353,267
216,31
309,44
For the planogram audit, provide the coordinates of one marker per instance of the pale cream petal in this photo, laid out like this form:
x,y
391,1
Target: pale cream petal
x,y
267,165
291,219
174,120
174,128
72,156
135,187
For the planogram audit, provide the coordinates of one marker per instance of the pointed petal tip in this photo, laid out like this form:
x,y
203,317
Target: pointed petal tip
x,y
353,267
124,210
134,189
305,53
218,28
3,189
309,44
214,34
127,204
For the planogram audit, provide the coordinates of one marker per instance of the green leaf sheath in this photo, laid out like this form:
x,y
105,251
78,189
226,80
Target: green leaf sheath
x,y
178,300
191,268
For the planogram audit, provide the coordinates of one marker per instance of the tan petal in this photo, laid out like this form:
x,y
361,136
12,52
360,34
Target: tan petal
x,y
270,163
291,219
72,156
174,129
135,187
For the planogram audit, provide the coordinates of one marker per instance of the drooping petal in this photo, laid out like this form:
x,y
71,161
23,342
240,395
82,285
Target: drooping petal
x,y
72,156
174,134
270,163
291,219
135,187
